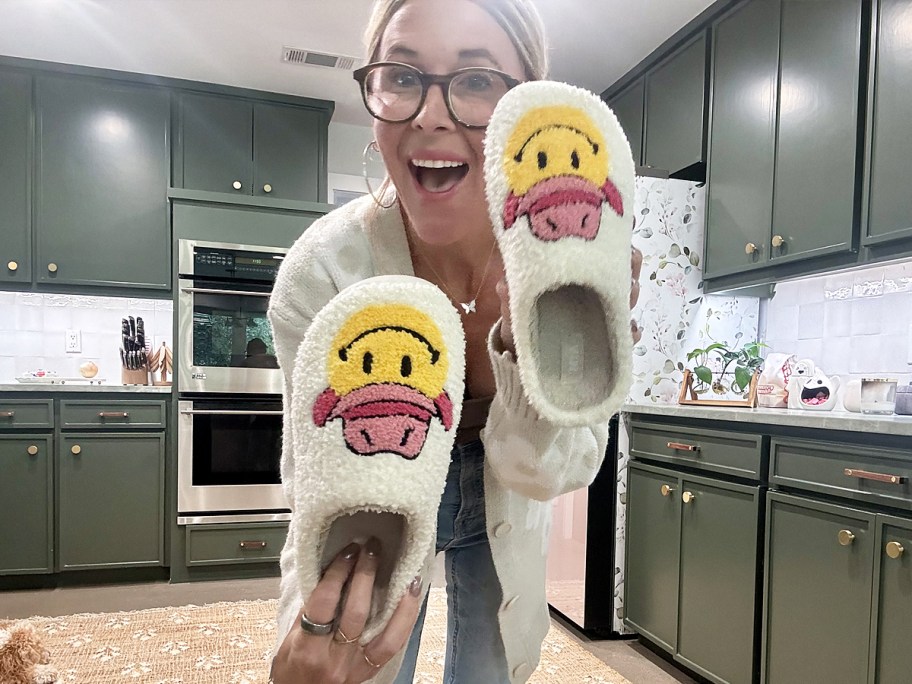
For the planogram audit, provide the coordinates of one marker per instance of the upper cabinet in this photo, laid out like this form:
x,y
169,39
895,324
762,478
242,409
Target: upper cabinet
x,y
628,107
675,131
890,202
102,183
15,180
242,147
784,144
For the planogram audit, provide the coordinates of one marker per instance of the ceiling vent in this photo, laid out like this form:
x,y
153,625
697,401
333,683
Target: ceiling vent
x,y
318,59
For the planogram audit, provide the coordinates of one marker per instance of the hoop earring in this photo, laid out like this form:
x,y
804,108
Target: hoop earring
x,y
372,147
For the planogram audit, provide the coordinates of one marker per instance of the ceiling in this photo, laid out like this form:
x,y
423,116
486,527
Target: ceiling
x,y
239,42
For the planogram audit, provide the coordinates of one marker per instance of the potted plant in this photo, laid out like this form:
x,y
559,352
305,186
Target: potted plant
x,y
735,373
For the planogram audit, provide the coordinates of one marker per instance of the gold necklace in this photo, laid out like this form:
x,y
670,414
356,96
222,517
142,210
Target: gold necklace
x,y
467,307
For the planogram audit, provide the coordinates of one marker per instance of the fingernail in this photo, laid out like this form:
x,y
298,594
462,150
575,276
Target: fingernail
x,y
372,547
350,551
415,586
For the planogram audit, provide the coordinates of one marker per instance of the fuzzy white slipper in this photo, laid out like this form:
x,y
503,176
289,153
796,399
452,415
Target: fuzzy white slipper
x,y
376,399
559,179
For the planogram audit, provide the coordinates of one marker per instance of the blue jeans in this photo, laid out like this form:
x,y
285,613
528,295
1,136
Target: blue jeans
x,y
475,653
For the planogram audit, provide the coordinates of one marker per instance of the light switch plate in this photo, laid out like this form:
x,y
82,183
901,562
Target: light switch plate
x,y
73,342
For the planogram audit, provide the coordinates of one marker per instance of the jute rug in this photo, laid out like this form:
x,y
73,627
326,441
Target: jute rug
x,y
230,643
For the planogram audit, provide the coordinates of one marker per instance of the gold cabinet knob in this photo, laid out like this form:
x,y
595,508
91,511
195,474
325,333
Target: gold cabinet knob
x,y
666,490
76,449
52,267
12,265
750,248
846,537
267,188
688,497
894,550
32,450
778,241
237,185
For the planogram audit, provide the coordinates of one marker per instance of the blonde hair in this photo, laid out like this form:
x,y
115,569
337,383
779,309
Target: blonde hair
x,y
518,18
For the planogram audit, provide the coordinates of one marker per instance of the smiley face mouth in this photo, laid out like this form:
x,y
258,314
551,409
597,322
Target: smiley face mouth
x,y
816,395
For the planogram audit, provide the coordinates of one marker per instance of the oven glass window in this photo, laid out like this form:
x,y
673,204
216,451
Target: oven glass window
x,y
237,449
231,331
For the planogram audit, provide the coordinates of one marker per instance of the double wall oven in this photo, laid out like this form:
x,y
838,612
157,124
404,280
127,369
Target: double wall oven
x,y
229,385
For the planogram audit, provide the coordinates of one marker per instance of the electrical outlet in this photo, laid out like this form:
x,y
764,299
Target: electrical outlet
x,y
73,342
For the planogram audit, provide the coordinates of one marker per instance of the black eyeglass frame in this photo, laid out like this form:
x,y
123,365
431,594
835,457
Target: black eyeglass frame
x,y
427,80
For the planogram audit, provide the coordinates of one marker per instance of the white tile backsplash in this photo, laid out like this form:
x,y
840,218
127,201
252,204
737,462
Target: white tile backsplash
x,y
810,321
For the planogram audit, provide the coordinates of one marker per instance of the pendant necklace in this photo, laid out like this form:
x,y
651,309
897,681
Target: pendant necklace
x,y
467,307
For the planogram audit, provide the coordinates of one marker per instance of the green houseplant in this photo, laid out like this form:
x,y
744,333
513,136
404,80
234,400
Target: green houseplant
x,y
746,361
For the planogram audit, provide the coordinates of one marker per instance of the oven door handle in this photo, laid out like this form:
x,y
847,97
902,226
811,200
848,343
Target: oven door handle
x,y
208,412
206,290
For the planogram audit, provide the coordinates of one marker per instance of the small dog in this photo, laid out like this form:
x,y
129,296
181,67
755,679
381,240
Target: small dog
x,y
23,658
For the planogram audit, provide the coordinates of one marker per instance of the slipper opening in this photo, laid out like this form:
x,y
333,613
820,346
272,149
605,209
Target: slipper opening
x,y
575,358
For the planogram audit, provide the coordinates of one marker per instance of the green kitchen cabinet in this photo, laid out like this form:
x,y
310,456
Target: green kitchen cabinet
x,y
26,504
674,138
111,500
784,145
819,573
15,177
628,106
101,183
892,623
889,200
245,147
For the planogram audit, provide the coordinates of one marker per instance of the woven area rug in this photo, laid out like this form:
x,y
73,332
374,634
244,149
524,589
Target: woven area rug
x,y
230,643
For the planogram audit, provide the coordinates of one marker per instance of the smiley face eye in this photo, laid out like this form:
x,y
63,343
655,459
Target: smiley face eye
x,y
574,160
542,160
367,363
406,368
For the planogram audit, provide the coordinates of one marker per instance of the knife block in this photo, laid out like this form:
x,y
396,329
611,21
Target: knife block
x,y
134,377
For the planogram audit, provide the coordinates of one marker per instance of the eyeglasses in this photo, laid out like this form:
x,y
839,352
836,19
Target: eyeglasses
x,y
395,92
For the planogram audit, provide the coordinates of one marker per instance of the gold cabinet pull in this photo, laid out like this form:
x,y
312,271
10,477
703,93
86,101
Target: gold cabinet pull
x,y
52,267
877,477
688,497
237,185
113,414
750,248
252,545
12,265
8,414
680,446
778,241
267,188
894,550
76,449
666,490
32,450
845,537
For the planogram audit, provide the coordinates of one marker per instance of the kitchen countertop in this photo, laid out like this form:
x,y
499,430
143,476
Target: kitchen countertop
x,y
821,420
79,387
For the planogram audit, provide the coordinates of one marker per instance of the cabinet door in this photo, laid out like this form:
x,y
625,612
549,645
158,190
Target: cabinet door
x,y
653,536
742,138
628,107
890,203
719,540
819,569
816,182
675,101
216,152
102,184
26,504
15,175
893,602
111,507
289,152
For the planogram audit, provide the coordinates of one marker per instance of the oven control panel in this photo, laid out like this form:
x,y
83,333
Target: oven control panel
x,y
227,264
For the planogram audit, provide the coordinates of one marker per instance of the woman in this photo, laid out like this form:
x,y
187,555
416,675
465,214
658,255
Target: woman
x,y
507,463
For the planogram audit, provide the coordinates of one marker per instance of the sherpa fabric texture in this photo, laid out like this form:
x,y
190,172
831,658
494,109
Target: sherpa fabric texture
x,y
559,178
378,385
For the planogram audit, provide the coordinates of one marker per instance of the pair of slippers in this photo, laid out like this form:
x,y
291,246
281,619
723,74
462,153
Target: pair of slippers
x,y
378,379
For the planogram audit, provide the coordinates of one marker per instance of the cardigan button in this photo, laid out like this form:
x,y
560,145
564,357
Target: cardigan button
x,y
522,671
503,530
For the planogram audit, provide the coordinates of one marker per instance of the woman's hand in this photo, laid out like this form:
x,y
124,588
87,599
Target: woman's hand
x,y
506,323
339,657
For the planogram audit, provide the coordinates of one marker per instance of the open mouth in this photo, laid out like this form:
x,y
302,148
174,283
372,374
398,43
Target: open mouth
x,y
814,396
438,176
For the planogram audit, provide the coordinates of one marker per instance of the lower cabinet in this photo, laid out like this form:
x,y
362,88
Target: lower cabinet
x,y
692,574
232,544
111,500
26,504
893,601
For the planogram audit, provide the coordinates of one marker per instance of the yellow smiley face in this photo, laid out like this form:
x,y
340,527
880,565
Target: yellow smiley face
x,y
390,343
554,141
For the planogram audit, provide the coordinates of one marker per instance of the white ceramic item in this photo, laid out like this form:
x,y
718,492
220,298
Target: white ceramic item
x,y
814,392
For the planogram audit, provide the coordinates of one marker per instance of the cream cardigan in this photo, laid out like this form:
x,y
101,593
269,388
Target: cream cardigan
x,y
528,461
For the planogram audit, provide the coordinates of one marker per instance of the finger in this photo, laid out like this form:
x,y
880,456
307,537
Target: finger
x,y
635,331
357,606
636,263
323,603
634,292
396,634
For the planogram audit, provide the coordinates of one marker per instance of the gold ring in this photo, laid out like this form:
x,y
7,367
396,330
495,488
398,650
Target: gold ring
x,y
369,661
344,639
